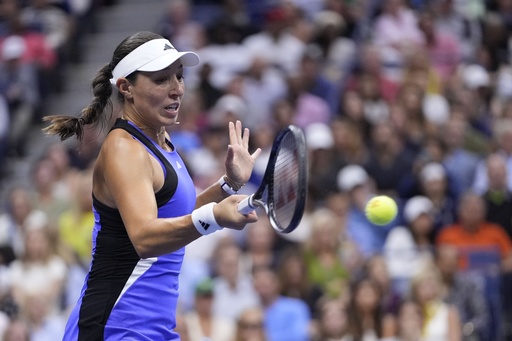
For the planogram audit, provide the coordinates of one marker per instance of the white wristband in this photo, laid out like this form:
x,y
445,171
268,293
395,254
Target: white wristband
x,y
225,186
204,220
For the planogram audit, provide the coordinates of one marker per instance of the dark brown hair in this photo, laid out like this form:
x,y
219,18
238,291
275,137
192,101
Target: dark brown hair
x,y
67,126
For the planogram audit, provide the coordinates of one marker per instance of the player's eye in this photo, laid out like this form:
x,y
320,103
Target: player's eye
x,y
161,80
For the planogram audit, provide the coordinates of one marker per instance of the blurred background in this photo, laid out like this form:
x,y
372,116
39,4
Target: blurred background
x,y
411,99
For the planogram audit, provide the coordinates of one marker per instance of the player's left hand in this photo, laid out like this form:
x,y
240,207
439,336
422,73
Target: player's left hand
x,y
239,161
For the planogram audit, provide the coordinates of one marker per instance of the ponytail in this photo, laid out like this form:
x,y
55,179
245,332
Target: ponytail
x,y
67,126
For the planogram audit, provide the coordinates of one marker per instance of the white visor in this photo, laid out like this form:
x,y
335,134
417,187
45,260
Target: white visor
x,y
153,55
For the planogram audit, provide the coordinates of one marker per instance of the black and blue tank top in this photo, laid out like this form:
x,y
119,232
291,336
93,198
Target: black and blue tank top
x,y
125,297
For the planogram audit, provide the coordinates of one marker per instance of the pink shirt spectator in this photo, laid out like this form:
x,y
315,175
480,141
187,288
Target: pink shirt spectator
x,y
310,109
37,51
444,54
397,30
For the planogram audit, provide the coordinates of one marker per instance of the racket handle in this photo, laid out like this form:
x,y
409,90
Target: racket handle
x,y
246,206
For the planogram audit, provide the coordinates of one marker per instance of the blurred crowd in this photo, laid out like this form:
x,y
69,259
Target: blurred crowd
x,y
411,99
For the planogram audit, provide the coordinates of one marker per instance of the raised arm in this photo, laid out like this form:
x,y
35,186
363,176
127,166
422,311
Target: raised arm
x,y
239,164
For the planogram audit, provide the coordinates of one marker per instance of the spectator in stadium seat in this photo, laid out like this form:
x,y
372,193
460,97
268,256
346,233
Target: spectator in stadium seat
x,y
409,321
502,135
261,85
464,291
420,71
307,108
315,81
369,238
20,212
436,185
396,31
325,267
19,86
233,289
450,20
369,64
349,141
443,50
260,246
441,321
43,323
498,198
202,322
473,233
275,43
294,280
460,160
322,167
40,271
250,326
378,271
177,26
388,158
285,318
366,317
77,222
408,247
332,321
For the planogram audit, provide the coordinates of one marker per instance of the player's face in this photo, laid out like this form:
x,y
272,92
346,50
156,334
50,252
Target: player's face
x,y
157,95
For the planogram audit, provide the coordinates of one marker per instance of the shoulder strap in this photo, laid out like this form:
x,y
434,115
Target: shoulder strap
x,y
171,178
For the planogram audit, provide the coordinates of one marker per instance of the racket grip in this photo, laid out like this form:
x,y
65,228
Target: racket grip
x,y
246,206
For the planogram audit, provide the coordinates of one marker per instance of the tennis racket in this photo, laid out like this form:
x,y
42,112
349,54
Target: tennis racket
x,y
283,189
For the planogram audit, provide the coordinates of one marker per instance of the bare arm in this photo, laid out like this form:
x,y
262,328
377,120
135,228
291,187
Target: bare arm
x,y
129,177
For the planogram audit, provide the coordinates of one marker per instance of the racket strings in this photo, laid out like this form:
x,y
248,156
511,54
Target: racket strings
x,y
285,186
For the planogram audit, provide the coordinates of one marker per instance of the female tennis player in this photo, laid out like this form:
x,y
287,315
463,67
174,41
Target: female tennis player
x,y
144,200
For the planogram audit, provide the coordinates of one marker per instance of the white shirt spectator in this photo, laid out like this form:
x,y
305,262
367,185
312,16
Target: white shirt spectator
x,y
231,302
284,52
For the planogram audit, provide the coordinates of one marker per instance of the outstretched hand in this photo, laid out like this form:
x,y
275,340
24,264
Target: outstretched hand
x,y
239,161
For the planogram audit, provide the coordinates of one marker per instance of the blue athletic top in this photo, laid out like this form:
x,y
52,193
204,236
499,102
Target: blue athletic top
x,y
125,297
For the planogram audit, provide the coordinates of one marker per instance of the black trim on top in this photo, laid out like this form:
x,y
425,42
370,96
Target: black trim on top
x,y
171,178
115,257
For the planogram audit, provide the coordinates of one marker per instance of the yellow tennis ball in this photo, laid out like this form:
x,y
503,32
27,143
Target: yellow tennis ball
x,y
381,210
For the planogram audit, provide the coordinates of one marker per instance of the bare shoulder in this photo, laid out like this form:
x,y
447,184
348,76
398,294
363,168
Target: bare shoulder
x,y
121,159
119,143
121,151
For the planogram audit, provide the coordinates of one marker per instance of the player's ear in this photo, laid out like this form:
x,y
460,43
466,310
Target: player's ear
x,y
124,87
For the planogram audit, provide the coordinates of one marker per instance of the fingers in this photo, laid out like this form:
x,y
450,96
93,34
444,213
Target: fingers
x,y
252,217
238,135
230,152
232,133
256,153
229,216
245,138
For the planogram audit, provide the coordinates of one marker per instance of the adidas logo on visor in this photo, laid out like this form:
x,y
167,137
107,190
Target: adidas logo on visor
x,y
151,57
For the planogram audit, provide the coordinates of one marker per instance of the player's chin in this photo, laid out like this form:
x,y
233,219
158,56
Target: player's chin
x,y
170,119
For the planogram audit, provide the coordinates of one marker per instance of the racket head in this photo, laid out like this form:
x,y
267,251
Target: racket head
x,y
283,190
